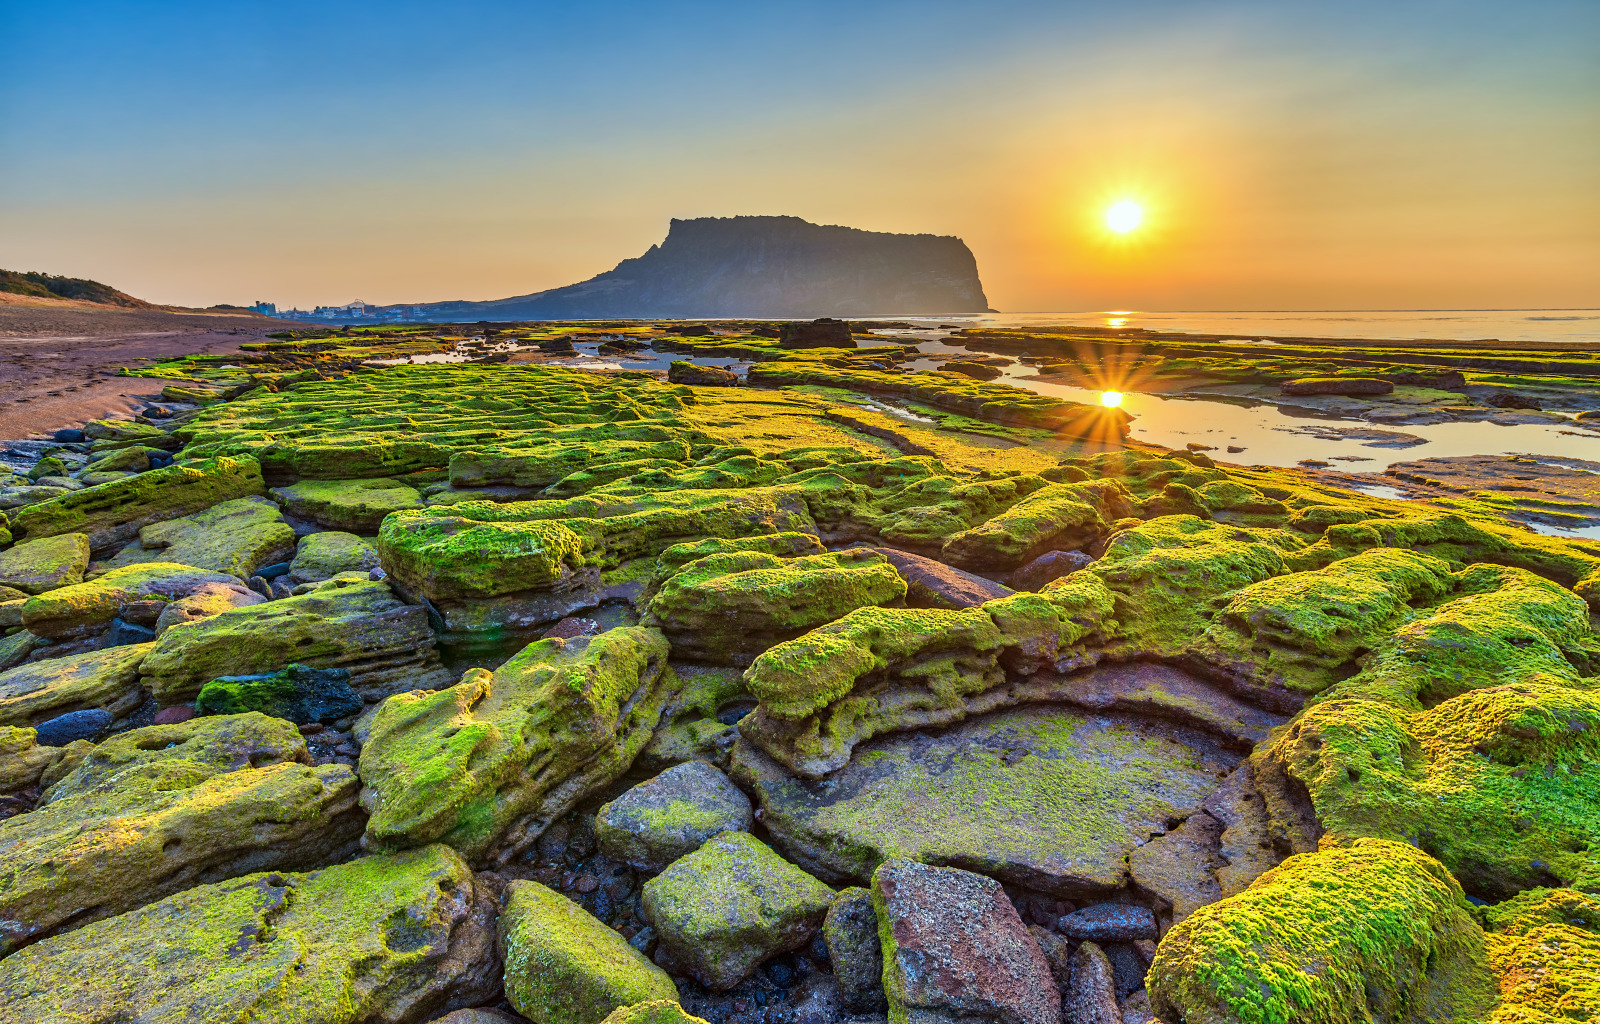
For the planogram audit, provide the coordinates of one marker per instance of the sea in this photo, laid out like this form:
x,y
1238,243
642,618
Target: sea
x,y
1567,326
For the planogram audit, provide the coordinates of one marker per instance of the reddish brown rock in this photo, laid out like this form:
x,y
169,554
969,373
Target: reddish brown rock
x,y
956,949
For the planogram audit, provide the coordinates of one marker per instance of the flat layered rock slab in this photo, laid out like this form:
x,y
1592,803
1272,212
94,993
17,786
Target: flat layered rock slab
x,y
1163,691
1044,796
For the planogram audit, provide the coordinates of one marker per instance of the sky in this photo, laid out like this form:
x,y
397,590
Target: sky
x,y
1287,155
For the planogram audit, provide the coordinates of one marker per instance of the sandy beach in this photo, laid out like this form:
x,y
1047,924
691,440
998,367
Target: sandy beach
x,y
59,359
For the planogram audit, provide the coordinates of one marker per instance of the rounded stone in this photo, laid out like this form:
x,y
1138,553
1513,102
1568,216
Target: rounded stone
x,y
91,724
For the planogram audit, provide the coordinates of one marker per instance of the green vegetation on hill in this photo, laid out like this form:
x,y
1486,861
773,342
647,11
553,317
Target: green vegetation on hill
x,y
50,286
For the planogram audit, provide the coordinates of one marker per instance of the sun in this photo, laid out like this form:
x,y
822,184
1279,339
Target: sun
x,y
1110,399
1124,216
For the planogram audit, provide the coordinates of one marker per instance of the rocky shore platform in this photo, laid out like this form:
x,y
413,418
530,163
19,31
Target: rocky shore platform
x,y
344,683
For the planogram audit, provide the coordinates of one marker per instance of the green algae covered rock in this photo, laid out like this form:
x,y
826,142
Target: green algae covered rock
x,y
1042,796
36,566
728,608
113,435
236,537
23,763
360,626
354,506
451,558
656,1011
1403,625
112,514
86,608
322,556
132,826
883,669
1058,517
388,940
1373,931
41,690
294,693
546,465
562,966
670,816
784,545
730,905
1499,783
487,764
1544,945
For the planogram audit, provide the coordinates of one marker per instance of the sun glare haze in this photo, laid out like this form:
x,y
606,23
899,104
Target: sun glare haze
x,y
1111,399
1124,216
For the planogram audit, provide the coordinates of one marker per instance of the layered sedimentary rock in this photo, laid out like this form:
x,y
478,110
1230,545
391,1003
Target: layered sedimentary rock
x,y
157,810
360,626
386,939
487,764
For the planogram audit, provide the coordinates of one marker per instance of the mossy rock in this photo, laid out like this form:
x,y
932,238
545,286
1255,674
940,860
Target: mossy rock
x,y
353,506
562,966
1060,517
357,625
656,1011
487,764
730,905
294,693
1544,945
1499,783
881,670
236,537
322,556
1042,796
728,608
670,816
105,842
113,435
1372,931
112,514
548,465
23,763
36,566
85,609
41,690
132,459
398,938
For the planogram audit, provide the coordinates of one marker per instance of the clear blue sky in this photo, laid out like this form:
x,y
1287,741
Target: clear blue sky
x,y
1288,154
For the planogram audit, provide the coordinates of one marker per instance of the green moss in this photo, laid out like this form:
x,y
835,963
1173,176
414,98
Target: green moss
x,y
465,764
354,506
1543,945
112,513
727,608
656,1011
731,904
36,566
365,940
235,537
564,967
1373,931
344,623
1057,517
1498,783
450,558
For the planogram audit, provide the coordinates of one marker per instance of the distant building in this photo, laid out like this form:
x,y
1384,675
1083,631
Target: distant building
x,y
265,308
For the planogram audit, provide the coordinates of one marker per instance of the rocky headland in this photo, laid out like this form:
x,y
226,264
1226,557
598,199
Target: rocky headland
x,y
760,266
411,675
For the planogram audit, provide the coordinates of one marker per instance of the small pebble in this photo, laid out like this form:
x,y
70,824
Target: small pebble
x,y
586,884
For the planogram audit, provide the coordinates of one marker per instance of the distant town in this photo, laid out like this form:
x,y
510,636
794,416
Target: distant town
x,y
358,310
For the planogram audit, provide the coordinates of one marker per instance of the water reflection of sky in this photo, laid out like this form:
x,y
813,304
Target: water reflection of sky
x,y
1267,435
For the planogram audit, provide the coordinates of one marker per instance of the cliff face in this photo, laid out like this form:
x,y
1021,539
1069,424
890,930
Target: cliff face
x,y
767,266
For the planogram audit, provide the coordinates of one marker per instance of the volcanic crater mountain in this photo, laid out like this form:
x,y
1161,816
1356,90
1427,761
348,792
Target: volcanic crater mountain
x,y
762,266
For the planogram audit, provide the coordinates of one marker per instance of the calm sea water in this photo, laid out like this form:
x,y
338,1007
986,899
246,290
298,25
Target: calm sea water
x,y
1573,326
